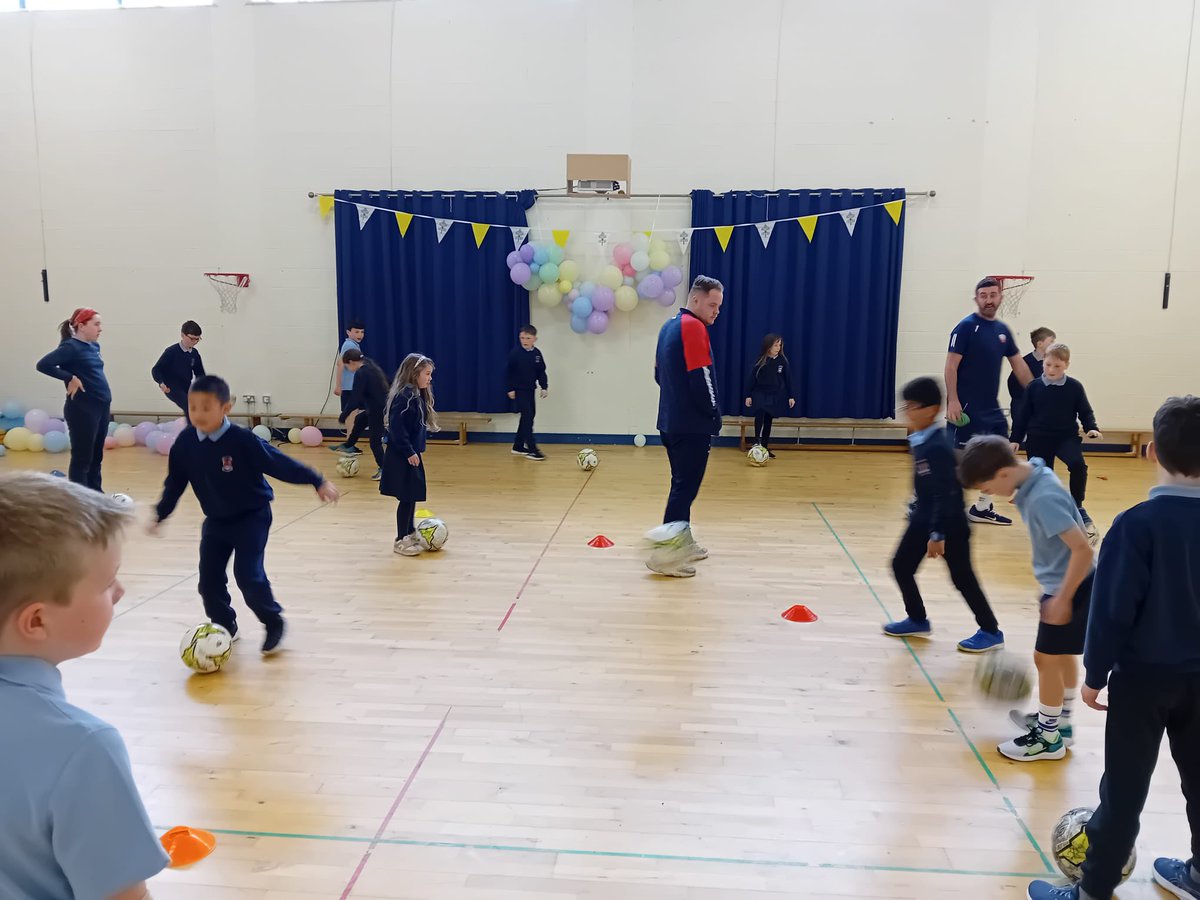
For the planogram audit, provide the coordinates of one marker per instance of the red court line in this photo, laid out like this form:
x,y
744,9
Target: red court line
x,y
362,863
537,562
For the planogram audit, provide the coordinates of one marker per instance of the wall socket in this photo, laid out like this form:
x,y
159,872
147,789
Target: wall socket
x,y
248,398
266,398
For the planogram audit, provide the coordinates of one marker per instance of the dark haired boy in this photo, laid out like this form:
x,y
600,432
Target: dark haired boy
x,y
526,373
179,366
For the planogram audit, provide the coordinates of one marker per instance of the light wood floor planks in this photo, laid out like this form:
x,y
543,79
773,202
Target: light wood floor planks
x,y
621,736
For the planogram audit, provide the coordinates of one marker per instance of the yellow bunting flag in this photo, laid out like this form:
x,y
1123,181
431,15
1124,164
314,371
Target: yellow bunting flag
x,y
560,237
325,205
809,224
480,232
893,210
724,232
404,219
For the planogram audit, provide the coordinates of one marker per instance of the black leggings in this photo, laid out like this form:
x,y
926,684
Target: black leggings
x,y
762,428
405,519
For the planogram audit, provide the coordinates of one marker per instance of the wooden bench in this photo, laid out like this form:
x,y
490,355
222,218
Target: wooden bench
x,y
1139,437
158,415
853,426
459,422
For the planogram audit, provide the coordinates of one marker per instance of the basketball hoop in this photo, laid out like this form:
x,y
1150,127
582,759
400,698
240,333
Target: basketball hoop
x,y
1012,292
228,285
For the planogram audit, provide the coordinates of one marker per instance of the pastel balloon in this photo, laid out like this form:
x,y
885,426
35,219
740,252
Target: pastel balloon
x,y
627,298
110,442
603,299
294,436
651,287
549,295
548,272
164,445
578,325
672,276
641,243
36,419
153,438
621,254
56,441
573,294
666,298
610,277
569,270
527,253
628,270
587,288
37,442
640,260
541,255
628,281
581,308
263,432
657,245
124,436
520,273
513,258
310,436
659,260
555,253
141,431
533,284
597,322
564,286
13,410
112,426
56,425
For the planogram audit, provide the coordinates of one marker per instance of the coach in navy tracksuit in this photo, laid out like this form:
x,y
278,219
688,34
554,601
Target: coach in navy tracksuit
x,y
179,366
77,363
688,412
225,465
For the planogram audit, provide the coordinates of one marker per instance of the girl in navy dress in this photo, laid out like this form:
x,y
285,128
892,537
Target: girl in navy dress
x,y
77,364
410,415
769,389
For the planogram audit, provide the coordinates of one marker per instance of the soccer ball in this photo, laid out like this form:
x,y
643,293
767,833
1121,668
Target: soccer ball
x,y
433,533
123,499
347,466
205,648
757,455
1070,842
1001,676
588,459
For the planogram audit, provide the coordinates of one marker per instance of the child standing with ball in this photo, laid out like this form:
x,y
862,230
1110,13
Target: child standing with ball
x,y
769,389
410,415
1063,566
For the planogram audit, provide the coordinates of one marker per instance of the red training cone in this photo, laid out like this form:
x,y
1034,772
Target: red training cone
x,y
600,542
800,614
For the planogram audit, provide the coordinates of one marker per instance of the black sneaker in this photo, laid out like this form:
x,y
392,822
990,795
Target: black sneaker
x,y
519,451
274,640
536,455
378,475
770,455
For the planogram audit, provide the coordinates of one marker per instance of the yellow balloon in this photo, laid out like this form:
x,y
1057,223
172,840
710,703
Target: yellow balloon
x,y
627,298
657,246
659,260
611,277
37,443
548,295
17,438
294,436
564,286
569,270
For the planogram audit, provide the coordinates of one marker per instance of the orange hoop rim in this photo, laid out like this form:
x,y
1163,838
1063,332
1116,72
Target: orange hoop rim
x,y
1021,279
240,279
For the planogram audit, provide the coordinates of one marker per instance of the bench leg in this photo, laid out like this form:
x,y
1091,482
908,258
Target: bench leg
x,y
462,433
742,437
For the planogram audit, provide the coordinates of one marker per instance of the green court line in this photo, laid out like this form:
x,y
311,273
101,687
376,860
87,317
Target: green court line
x,y
957,724
621,854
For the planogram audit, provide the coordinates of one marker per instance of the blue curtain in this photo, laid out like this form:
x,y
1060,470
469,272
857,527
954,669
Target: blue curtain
x,y
451,301
835,300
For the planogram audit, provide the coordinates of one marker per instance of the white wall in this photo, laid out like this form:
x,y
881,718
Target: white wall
x,y
174,141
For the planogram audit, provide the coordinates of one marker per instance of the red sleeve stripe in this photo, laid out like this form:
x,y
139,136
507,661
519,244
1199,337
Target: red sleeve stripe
x,y
697,352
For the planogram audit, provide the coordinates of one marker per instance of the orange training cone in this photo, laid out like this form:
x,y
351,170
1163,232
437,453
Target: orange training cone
x,y
186,845
800,614
600,541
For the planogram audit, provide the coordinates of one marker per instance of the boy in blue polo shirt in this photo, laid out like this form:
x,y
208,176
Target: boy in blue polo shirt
x,y
1143,642
73,824
344,380
1063,564
225,465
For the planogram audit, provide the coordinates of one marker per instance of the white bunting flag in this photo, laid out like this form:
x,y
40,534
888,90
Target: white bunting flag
x,y
602,239
519,234
764,232
850,217
684,238
364,214
442,226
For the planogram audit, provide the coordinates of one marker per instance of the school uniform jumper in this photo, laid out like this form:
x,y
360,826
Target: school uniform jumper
x,y
938,515
1144,629
688,411
177,368
1048,424
1015,391
226,470
347,375
406,436
88,412
769,388
983,345
525,373
370,395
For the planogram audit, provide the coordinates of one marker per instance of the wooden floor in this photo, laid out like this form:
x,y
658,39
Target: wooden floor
x,y
523,716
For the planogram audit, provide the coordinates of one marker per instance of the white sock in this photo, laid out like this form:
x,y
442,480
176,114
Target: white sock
x,y
1048,720
1069,696
984,503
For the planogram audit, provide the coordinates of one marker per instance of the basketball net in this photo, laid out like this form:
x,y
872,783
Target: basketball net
x,y
1012,292
228,285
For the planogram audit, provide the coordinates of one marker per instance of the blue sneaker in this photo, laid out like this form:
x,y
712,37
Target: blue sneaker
x,y
982,642
1175,876
908,628
1044,890
987,516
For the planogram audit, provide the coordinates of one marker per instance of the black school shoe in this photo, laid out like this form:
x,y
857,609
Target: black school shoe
x,y
274,639
536,455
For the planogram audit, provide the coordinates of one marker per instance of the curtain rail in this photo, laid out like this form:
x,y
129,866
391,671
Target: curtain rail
x,y
562,192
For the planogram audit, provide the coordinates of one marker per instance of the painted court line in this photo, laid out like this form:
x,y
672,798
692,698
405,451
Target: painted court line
x,y
537,562
378,839
937,692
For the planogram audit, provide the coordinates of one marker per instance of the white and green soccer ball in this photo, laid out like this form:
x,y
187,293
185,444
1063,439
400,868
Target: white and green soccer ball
x,y
347,466
587,459
205,648
1070,843
758,455
432,533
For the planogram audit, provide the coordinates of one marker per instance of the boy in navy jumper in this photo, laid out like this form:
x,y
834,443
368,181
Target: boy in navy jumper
x,y
1143,642
369,395
1048,422
225,465
526,373
937,526
1041,338
1063,564
688,417
179,366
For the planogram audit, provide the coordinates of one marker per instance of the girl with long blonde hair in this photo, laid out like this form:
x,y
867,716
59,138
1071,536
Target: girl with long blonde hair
x,y
410,416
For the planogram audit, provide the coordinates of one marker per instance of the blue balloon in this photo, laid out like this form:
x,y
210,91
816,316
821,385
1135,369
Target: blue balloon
x,y
541,256
585,289
55,441
14,410
578,325
555,254
581,308
535,267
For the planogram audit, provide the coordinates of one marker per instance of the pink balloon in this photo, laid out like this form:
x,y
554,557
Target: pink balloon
x,y
310,436
165,443
628,271
110,442
622,254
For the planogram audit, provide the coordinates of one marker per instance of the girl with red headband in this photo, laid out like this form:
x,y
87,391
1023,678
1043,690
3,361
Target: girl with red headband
x,y
77,364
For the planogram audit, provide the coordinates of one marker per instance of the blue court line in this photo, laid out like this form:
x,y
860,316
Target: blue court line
x,y
957,724
621,854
